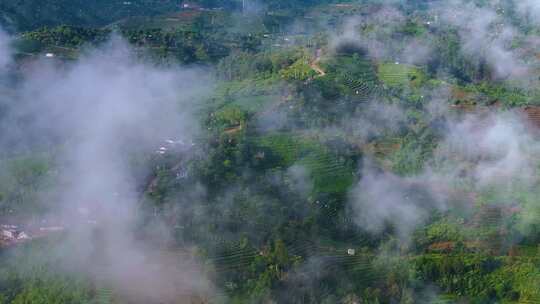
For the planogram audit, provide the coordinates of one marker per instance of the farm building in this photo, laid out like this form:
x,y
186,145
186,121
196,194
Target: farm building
x,y
187,5
10,235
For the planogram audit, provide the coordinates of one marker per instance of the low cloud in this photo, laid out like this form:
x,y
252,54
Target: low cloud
x,y
5,51
104,110
485,35
378,34
481,151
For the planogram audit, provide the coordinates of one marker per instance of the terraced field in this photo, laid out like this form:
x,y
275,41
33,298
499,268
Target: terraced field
x,y
357,75
398,74
329,174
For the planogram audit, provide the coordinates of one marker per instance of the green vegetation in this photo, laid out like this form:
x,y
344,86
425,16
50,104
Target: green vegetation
x,y
396,74
27,276
24,182
29,15
298,116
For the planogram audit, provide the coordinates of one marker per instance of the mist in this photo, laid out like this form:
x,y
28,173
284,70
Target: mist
x,y
485,36
386,158
483,150
4,49
104,110
477,153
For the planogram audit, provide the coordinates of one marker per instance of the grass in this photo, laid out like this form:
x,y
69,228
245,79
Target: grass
x,y
287,147
250,86
250,95
253,103
355,74
393,74
328,173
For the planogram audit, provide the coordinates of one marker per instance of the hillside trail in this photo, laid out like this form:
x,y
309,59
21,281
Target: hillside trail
x,y
315,64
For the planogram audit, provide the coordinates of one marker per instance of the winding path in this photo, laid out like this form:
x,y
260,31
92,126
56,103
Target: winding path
x,y
315,64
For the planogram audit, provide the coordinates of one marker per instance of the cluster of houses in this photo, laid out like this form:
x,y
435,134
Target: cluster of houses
x,y
193,6
11,234
175,145
188,5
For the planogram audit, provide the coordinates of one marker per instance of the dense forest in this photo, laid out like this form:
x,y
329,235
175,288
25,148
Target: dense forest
x,y
307,151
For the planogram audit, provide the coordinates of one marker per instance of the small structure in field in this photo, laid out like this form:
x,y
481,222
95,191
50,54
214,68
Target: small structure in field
x,y
11,235
187,5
